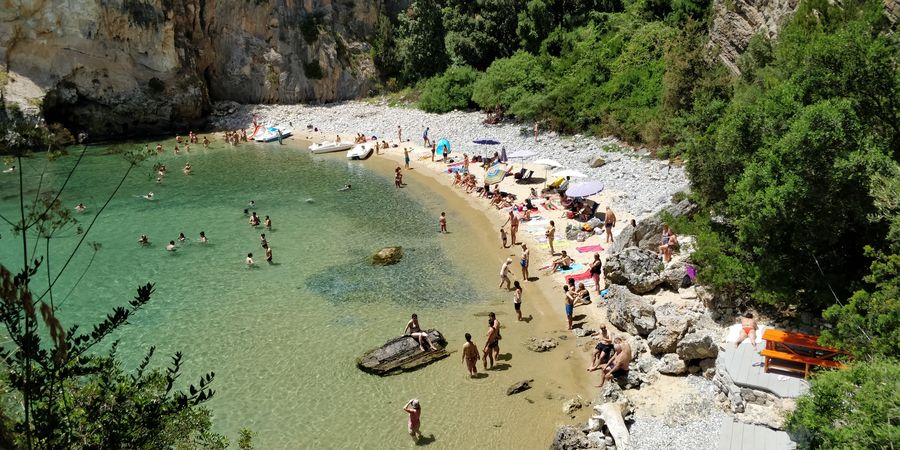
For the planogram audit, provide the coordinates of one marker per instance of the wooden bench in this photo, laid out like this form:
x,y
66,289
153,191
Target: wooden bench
x,y
775,358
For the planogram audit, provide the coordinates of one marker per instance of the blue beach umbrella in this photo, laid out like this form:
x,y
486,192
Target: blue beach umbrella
x,y
495,174
443,144
584,189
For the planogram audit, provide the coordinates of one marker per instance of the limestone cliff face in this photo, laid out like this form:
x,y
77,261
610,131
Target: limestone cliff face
x,y
126,67
736,21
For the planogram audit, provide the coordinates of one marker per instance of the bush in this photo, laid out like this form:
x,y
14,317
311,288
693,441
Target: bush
x,y
856,408
451,90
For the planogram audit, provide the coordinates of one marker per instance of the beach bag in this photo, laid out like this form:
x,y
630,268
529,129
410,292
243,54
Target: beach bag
x,y
587,227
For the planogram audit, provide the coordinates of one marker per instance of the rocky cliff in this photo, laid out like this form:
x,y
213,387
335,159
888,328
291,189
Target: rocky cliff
x,y
736,21
125,67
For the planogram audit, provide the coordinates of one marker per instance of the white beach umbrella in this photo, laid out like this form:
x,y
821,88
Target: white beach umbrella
x,y
548,162
569,173
521,154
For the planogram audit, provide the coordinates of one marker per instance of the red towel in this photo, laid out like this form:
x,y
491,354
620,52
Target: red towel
x,y
580,276
589,249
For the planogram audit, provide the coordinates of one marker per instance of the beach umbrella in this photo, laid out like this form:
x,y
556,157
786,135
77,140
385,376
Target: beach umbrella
x,y
548,163
485,142
569,173
584,189
443,143
495,174
522,154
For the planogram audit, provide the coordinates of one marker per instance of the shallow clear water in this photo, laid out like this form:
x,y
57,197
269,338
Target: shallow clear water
x,y
283,339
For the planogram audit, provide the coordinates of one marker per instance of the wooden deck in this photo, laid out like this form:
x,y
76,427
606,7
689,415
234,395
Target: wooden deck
x,y
745,366
740,436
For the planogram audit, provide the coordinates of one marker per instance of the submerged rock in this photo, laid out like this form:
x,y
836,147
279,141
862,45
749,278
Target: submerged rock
x,y
387,256
521,386
541,344
402,354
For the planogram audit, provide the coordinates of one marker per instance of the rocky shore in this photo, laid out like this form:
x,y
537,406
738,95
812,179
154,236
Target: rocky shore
x,y
642,185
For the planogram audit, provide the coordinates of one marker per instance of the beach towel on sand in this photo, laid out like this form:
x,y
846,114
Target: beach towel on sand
x,y
573,268
589,249
581,276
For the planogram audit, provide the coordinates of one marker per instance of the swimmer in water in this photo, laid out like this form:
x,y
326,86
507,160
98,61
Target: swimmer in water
x,y
203,239
269,255
268,223
252,204
345,188
263,241
254,219
187,169
181,237
246,212
80,207
149,196
250,259
143,240
205,142
171,246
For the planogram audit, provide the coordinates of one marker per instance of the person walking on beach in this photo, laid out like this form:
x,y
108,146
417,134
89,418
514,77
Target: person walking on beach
x,y
609,221
517,300
526,256
425,138
535,131
513,221
570,304
414,330
399,134
414,410
504,274
443,222
406,157
470,356
748,329
596,271
551,234
492,344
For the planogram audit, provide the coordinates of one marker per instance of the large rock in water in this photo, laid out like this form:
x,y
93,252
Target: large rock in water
x,y
636,268
402,354
629,312
387,256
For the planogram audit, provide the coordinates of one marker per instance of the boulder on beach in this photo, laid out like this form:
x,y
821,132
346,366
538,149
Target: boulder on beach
x,y
698,345
629,312
521,386
569,438
387,256
403,354
635,268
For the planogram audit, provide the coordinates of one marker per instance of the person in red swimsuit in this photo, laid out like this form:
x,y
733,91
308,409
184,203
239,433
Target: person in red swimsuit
x,y
748,329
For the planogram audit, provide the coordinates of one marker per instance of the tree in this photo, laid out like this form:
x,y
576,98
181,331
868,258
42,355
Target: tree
x,y
514,83
420,41
450,90
856,408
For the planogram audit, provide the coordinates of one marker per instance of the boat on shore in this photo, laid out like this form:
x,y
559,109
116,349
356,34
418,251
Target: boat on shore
x,y
362,151
402,354
328,147
270,134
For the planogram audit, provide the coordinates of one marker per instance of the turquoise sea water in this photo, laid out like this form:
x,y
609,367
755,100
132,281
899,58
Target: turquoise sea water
x,y
282,338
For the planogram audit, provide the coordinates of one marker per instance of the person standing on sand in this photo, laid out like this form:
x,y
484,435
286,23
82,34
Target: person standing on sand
x,y
551,234
748,329
609,221
503,237
433,150
399,134
398,178
492,343
504,274
618,367
425,138
470,356
535,131
517,300
570,304
466,162
513,221
596,271
443,222
526,256
406,157
414,410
